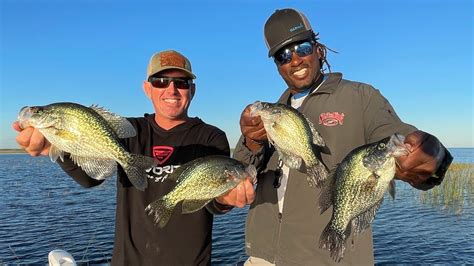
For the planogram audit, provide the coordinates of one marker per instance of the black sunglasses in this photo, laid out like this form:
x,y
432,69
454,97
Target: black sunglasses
x,y
285,55
164,82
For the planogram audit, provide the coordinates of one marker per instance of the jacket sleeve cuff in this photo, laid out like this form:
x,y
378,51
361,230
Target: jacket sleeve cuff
x,y
215,207
438,176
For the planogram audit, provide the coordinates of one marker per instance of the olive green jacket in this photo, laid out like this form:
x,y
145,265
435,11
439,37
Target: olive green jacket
x,y
347,114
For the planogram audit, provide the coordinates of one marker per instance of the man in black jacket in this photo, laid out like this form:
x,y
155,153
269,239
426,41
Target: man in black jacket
x,y
173,138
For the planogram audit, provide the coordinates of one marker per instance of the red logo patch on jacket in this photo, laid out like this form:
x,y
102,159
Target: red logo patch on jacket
x,y
331,119
162,153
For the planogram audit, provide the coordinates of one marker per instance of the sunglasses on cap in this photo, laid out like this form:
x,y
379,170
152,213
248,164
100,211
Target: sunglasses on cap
x,y
285,55
164,82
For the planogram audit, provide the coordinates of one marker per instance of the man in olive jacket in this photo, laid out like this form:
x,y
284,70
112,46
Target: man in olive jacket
x,y
284,222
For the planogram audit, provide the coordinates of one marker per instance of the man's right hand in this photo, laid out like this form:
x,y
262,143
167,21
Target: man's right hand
x,y
31,140
252,129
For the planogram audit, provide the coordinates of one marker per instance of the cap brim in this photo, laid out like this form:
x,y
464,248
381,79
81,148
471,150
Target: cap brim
x,y
188,73
298,37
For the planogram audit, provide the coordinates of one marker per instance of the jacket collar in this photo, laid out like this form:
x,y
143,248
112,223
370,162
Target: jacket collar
x,y
328,86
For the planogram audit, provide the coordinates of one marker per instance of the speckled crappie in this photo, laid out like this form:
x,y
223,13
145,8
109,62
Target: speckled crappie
x,y
293,136
90,136
200,181
356,190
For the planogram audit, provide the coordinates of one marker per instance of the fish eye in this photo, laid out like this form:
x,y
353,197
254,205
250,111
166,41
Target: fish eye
x,y
381,146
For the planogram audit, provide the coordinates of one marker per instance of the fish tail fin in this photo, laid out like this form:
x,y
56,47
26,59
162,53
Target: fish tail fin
x,y
161,209
333,242
136,167
317,174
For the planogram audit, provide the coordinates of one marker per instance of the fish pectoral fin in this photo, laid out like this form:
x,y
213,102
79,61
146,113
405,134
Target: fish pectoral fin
x,y
391,188
370,182
55,153
97,168
120,125
190,206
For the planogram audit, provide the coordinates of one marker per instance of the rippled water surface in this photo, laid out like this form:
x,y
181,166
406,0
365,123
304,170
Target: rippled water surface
x,y
42,209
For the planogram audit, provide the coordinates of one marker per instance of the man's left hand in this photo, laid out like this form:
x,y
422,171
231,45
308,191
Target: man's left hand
x,y
424,157
240,196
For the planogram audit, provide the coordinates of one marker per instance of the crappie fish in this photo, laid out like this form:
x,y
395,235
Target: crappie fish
x,y
356,190
90,136
200,181
293,136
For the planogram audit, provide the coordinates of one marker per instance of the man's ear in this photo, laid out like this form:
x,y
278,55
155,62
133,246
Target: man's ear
x,y
147,89
193,90
321,54
320,51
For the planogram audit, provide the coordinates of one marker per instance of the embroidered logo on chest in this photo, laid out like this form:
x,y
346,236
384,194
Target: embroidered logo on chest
x,y
162,153
331,119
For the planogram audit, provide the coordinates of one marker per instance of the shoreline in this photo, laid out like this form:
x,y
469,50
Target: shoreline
x,y
12,151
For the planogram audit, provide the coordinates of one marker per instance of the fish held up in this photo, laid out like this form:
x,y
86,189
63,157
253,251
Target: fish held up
x,y
293,136
198,182
90,135
356,190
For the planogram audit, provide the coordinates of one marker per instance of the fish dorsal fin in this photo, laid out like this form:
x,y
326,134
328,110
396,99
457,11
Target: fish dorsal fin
x,y
317,138
190,206
391,188
327,191
120,125
179,174
96,168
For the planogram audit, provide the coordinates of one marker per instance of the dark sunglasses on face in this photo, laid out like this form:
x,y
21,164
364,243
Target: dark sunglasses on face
x,y
164,82
285,55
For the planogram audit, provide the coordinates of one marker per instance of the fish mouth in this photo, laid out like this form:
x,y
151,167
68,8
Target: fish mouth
x,y
24,116
255,108
397,145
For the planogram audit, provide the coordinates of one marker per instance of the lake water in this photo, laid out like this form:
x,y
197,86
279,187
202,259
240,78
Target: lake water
x,y
42,209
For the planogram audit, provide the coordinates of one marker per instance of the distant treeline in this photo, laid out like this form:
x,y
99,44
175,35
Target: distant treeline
x,y
3,151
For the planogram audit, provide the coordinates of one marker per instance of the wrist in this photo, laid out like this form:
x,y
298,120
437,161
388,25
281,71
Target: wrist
x,y
221,206
257,142
253,145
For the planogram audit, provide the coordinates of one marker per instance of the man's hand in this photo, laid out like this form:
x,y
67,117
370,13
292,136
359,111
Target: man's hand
x,y
425,156
240,196
252,129
31,140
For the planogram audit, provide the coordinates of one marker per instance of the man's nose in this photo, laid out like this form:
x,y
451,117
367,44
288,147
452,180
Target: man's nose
x,y
295,59
172,88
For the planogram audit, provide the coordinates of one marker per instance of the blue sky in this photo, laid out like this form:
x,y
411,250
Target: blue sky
x,y
418,53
